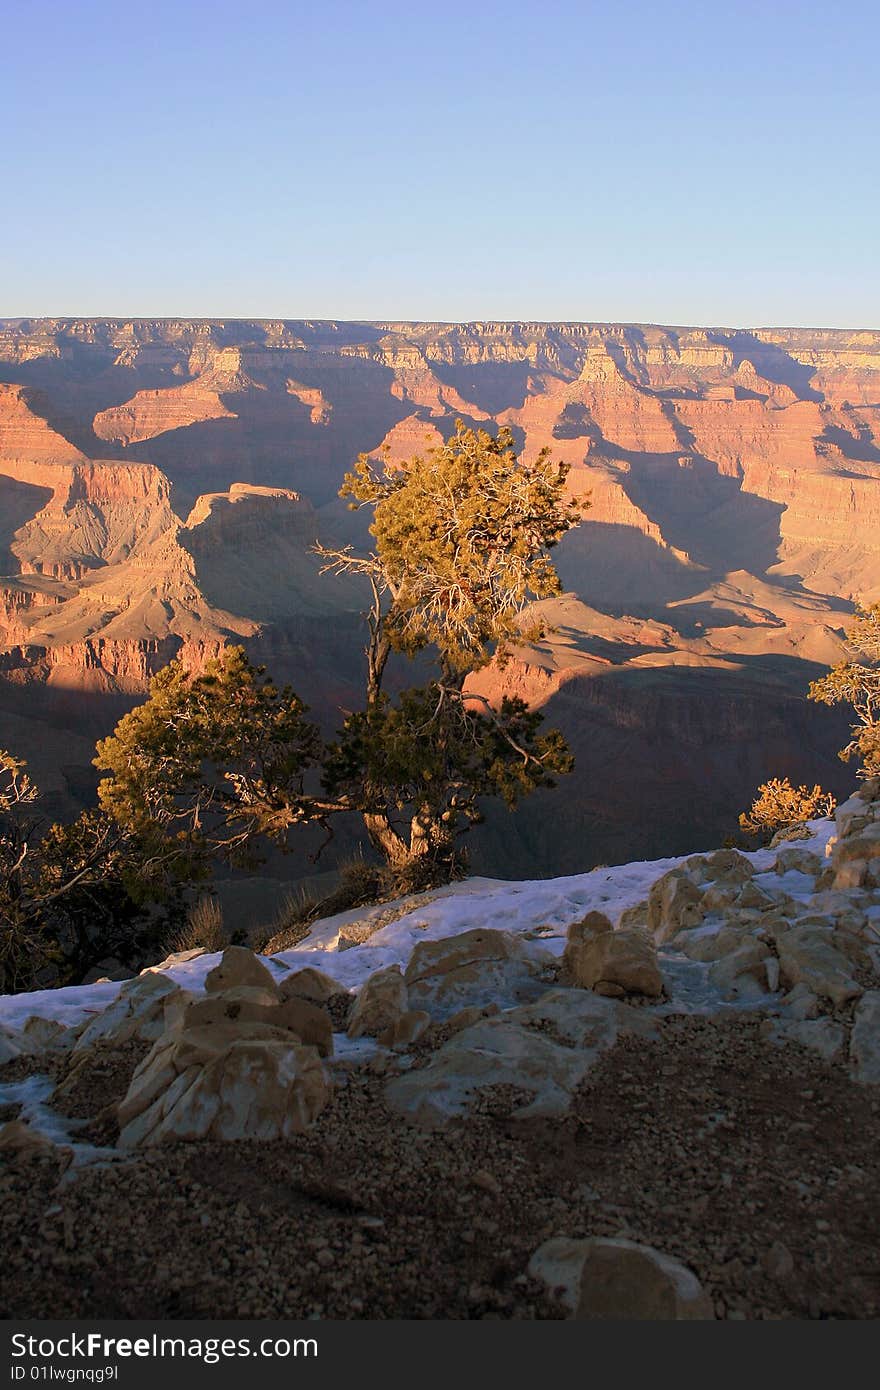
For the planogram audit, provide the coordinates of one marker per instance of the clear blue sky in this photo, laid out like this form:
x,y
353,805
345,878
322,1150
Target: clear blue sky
x,y
654,161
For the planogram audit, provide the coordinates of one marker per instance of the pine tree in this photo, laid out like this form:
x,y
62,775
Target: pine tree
x,y
461,540
856,682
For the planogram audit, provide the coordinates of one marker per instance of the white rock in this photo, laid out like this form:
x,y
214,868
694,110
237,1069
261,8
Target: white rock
x,y
619,1280
138,1011
864,1044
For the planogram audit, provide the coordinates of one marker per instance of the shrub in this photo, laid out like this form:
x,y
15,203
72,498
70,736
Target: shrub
x,y
779,805
856,682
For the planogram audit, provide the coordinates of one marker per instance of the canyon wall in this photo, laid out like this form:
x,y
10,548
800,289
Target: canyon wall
x,y
162,484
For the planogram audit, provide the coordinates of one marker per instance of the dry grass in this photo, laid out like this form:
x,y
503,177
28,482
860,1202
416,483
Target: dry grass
x,y
203,927
359,883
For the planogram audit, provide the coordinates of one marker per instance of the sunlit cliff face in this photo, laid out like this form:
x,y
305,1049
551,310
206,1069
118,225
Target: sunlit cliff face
x,y
162,483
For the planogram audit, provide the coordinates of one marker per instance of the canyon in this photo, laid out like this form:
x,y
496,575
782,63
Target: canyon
x,y
163,482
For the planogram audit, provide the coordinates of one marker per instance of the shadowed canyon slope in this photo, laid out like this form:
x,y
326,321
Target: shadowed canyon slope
x,y
162,482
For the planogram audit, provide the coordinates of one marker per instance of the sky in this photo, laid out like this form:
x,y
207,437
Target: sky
x,y
610,160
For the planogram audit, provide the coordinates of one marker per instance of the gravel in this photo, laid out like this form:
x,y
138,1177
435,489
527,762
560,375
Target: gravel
x,y
754,1163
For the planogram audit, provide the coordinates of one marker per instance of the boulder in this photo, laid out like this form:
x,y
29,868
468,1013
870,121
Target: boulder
x,y
10,1045
492,1053
707,946
138,1011
445,976
748,960
808,956
718,896
853,815
753,896
579,1018
310,1023
619,1280
379,1004
310,984
223,1081
804,861
800,1003
820,1035
45,1035
724,866
255,1090
580,934
625,958
636,916
862,847
843,911
864,1045
239,966
411,1026
673,904
541,1050
844,937
799,831
855,873
467,1016
18,1140
179,958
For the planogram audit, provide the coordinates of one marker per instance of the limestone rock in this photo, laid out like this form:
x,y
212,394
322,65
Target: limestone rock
x,y
709,946
379,1004
719,895
619,1280
579,1018
310,1023
473,1013
636,916
223,1081
855,858
722,866
411,1026
179,958
310,984
864,1044
747,960
807,956
445,976
494,1052
18,1139
10,1045
821,1035
673,904
799,831
805,861
752,895
517,1049
625,958
239,966
853,815
138,1011
45,1035
801,1003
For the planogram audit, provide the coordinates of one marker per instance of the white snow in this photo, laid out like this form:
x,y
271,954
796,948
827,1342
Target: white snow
x,y
32,1095
69,1006
545,905
541,910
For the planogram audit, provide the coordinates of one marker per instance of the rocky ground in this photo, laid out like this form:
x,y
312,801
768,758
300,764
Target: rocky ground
x,y
673,1115
756,1165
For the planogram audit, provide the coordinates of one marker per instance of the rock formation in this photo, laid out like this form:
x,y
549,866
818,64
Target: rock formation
x,y
162,482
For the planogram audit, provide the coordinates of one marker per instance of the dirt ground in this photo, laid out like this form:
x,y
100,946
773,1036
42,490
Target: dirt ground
x,y
755,1164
